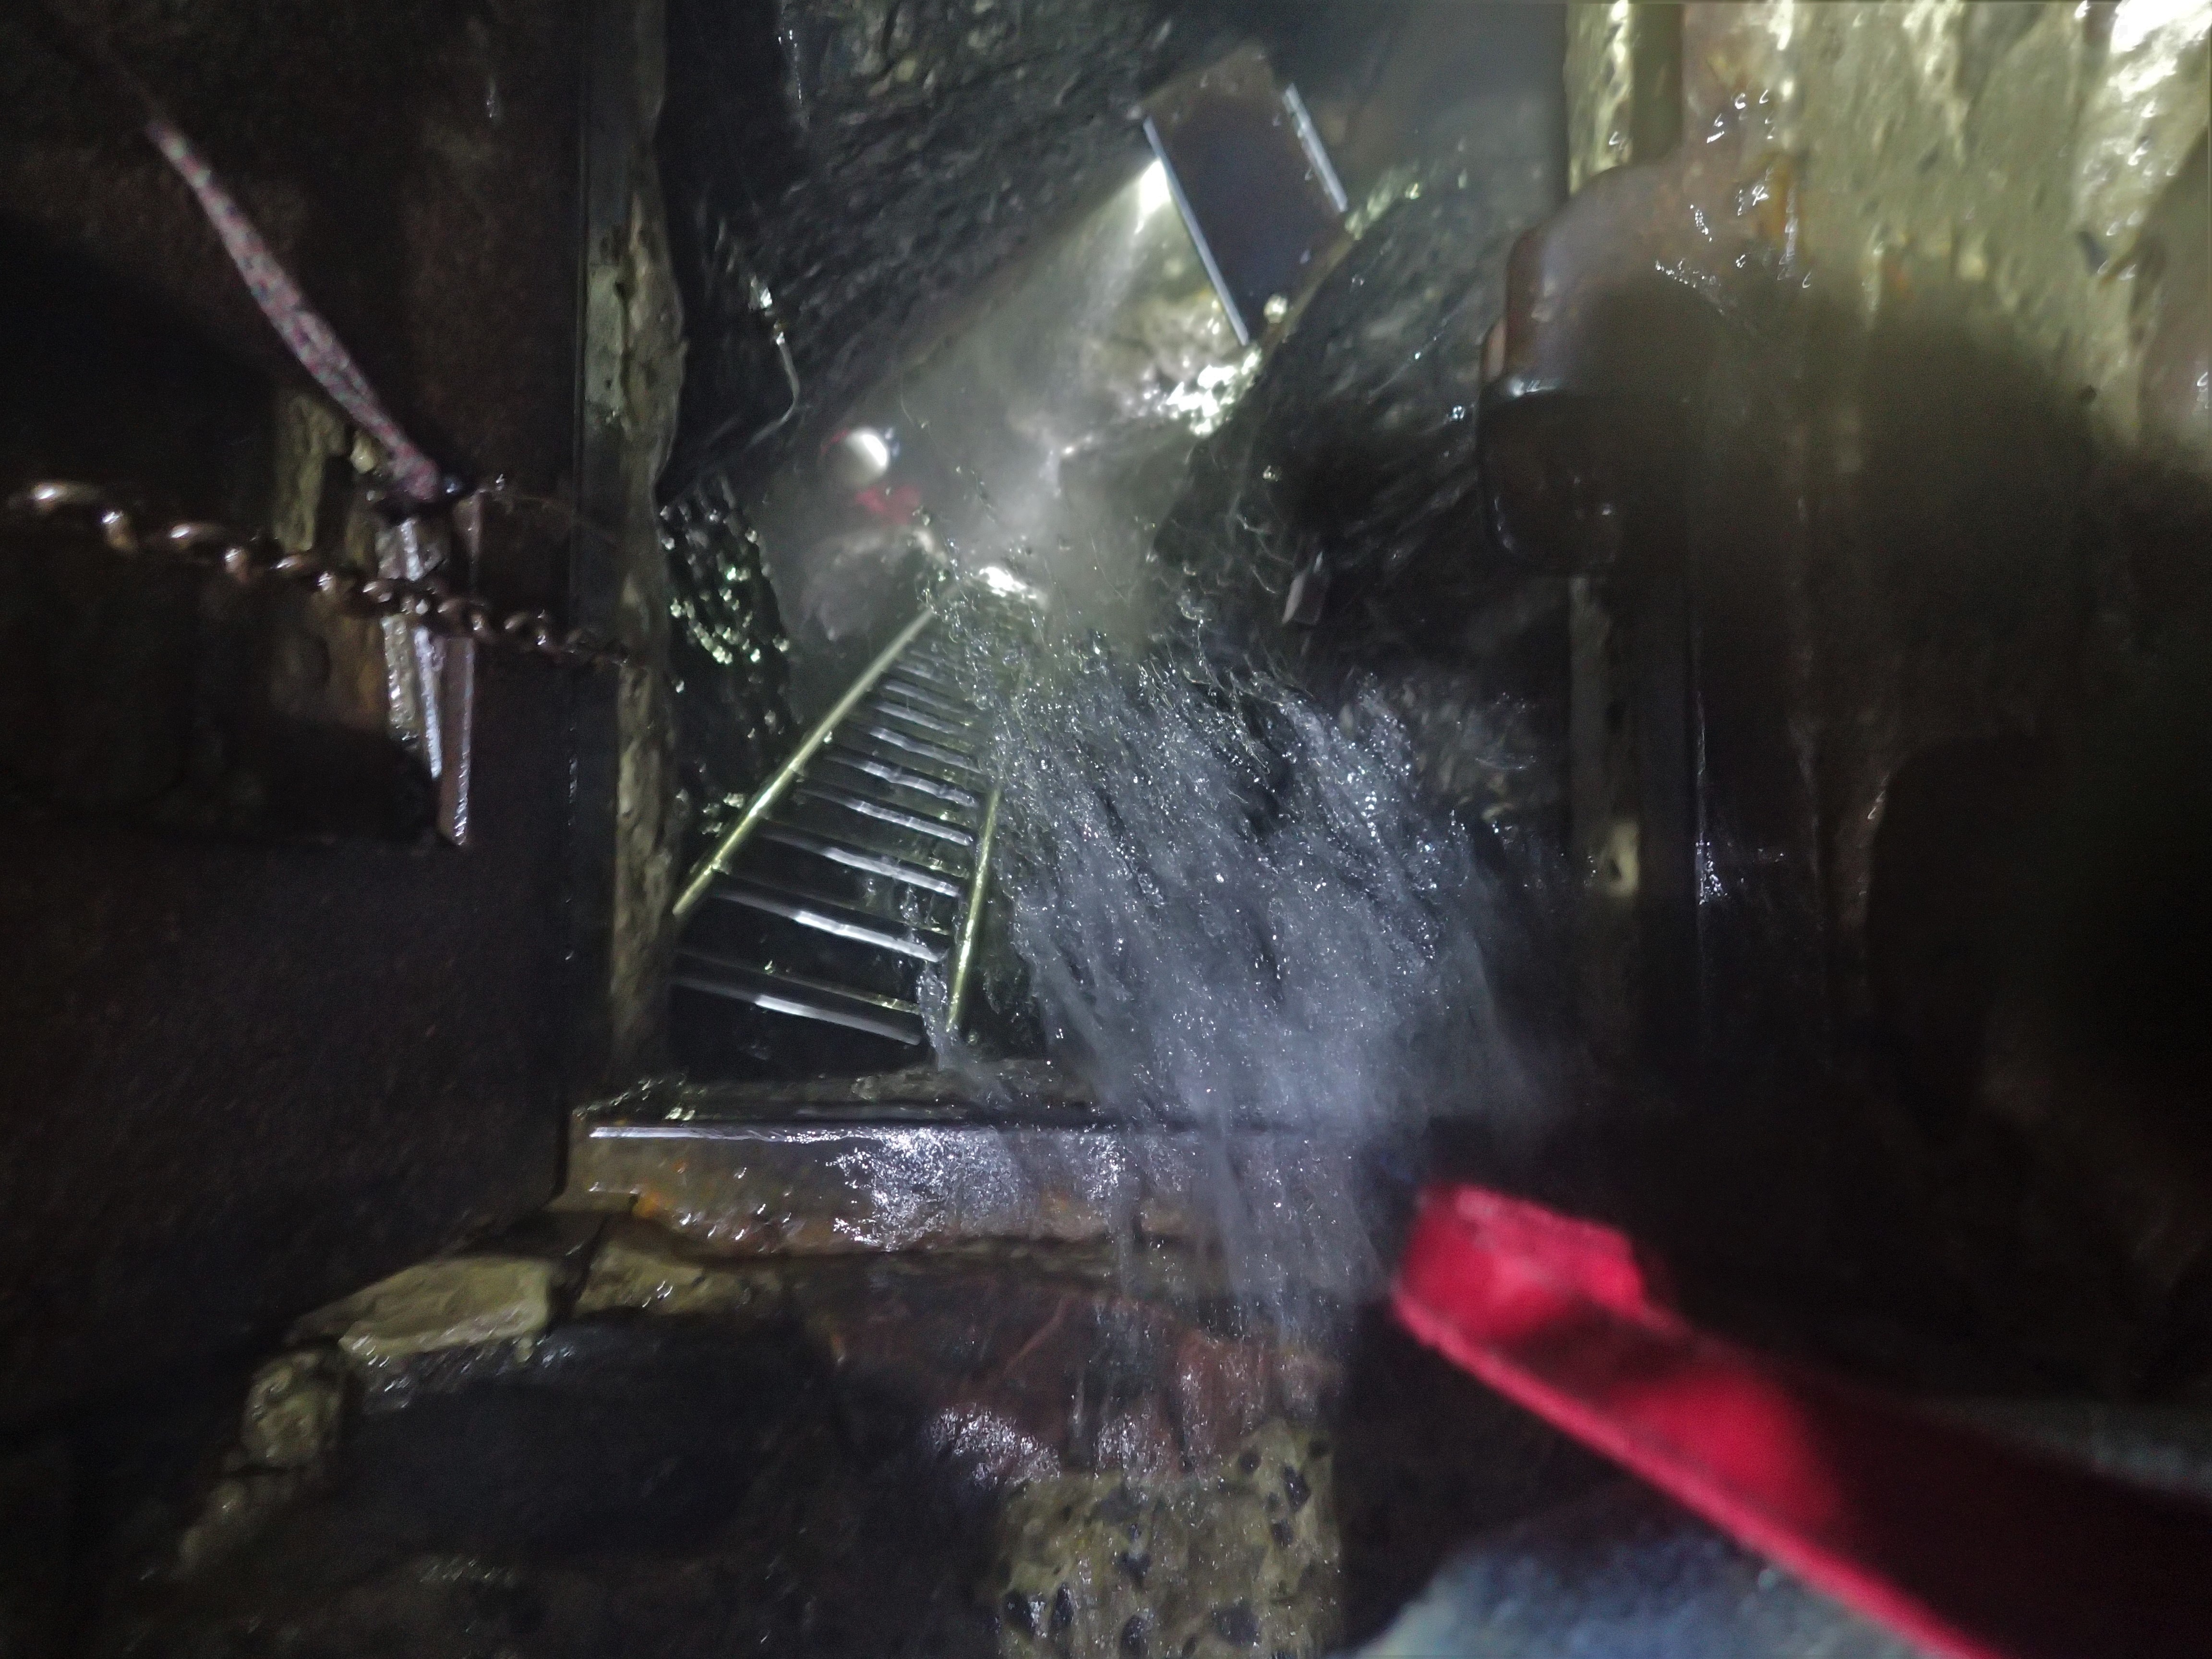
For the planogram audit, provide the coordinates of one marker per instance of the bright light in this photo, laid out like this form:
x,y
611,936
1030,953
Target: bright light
x,y
859,457
1006,585
1152,193
2135,21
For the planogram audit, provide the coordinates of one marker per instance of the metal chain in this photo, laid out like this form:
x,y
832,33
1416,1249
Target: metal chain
x,y
250,559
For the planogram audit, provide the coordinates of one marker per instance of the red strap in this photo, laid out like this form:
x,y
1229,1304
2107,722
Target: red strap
x,y
1954,1539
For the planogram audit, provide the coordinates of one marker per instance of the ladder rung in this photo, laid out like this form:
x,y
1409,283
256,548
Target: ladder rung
x,y
903,777
926,672
874,999
786,993
951,759
883,814
864,859
824,916
915,718
921,699
854,744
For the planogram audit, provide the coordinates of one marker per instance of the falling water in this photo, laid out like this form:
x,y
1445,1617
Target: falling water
x,y
1239,918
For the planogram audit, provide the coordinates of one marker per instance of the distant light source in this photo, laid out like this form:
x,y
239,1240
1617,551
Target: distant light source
x,y
1006,585
1152,193
858,457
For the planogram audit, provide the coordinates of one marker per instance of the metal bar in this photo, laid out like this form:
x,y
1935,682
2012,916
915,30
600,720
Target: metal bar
x,y
774,1001
606,183
716,959
903,777
827,916
854,741
1317,152
765,798
952,760
779,992
891,815
919,698
837,908
925,676
956,1001
885,708
862,859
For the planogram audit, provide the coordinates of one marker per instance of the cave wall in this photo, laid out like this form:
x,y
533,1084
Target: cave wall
x,y
1351,459
874,162
1884,522
249,1065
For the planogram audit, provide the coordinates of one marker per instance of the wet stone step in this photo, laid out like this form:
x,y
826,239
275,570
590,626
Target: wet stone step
x,y
992,1172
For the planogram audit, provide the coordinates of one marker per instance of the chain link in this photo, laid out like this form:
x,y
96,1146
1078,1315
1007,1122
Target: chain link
x,y
248,560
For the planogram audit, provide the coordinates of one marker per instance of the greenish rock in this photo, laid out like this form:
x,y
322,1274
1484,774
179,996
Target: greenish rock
x,y
287,1435
453,1301
295,1408
638,1266
238,1510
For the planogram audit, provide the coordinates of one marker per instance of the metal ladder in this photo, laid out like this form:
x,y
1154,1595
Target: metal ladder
x,y
860,866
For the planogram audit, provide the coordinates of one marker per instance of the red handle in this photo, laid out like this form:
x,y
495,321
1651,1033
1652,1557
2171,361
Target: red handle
x,y
1953,1539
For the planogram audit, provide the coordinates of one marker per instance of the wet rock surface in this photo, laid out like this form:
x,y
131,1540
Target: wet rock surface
x,y
941,1456
643,1269
458,1302
1237,1558
425,198
884,158
36,1498
820,1465
1355,445
287,1434
661,1486
294,1408
1018,1376
1334,528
